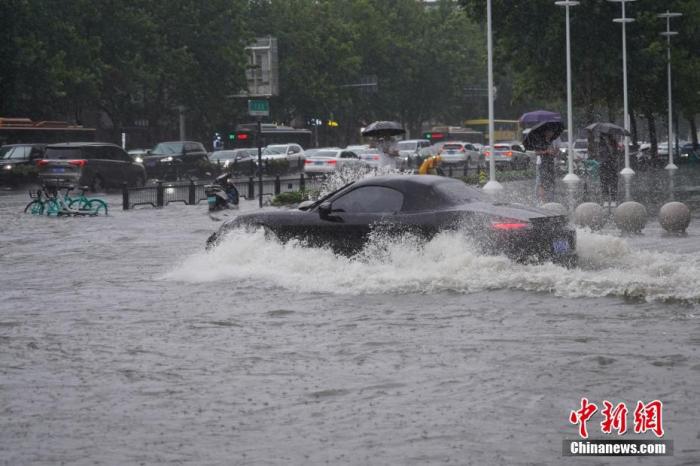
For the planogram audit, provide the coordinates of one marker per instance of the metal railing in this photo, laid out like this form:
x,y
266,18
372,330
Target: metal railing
x,y
191,193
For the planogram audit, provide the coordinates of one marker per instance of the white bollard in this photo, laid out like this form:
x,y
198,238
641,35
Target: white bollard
x,y
555,207
590,214
630,217
674,217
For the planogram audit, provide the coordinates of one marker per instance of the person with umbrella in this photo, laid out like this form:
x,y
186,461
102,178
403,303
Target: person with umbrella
x,y
543,138
608,155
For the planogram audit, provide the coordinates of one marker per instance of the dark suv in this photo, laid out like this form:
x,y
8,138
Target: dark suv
x,y
95,164
175,159
17,162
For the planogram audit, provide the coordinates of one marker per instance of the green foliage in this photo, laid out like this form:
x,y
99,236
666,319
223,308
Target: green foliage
x,y
293,197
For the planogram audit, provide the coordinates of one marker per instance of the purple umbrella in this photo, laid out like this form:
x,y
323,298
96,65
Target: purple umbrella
x,y
538,116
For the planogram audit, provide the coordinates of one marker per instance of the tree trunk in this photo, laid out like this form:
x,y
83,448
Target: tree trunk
x,y
652,132
633,127
693,131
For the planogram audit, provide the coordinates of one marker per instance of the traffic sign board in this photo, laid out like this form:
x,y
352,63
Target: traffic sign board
x,y
258,108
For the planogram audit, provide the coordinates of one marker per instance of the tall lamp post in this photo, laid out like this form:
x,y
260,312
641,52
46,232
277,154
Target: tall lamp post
x,y
571,176
668,33
624,20
492,186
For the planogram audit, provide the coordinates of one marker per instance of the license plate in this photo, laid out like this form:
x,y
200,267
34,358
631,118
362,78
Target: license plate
x,y
151,163
560,246
211,200
318,163
58,170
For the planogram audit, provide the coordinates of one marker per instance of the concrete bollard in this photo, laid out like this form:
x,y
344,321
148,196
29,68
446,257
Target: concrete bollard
x,y
630,217
591,215
556,208
674,217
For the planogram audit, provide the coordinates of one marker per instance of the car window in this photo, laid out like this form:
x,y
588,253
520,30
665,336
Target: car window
x,y
121,155
348,155
63,153
18,153
168,148
370,199
405,145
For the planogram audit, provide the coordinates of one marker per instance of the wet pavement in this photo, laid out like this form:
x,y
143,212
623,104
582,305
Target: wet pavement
x,y
123,342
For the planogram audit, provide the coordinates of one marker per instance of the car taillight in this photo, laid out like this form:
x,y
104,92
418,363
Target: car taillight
x,y
78,163
508,154
375,157
487,154
509,225
41,163
332,162
308,162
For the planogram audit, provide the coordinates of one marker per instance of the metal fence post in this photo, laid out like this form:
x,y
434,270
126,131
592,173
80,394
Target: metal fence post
x,y
466,168
449,172
302,183
192,196
251,188
277,185
159,194
125,196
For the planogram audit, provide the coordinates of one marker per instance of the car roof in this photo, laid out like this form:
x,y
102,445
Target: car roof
x,y
23,144
82,144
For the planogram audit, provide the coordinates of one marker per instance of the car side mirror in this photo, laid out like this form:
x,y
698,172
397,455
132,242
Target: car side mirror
x,y
324,210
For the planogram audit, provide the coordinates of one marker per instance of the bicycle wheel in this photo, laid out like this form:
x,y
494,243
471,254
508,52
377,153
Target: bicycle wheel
x,y
96,207
80,203
36,207
53,207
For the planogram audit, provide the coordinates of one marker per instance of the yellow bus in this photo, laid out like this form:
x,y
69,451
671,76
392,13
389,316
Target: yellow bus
x,y
503,130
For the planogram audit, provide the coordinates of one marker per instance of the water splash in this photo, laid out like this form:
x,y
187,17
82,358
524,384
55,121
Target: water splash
x,y
449,262
348,174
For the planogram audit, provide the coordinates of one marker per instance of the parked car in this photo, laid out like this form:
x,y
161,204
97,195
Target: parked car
x,y
459,153
229,157
375,158
408,149
18,162
580,149
290,152
328,161
175,159
96,164
507,155
424,205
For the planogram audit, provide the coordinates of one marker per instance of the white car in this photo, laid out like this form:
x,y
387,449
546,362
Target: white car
x,y
374,158
409,149
290,152
508,154
459,153
330,160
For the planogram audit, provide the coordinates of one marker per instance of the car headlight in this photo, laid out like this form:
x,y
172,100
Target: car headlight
x,y
167,159
226,163
138,160
7,167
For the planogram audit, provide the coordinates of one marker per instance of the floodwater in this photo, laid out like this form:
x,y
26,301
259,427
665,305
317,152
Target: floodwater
x,y
123,342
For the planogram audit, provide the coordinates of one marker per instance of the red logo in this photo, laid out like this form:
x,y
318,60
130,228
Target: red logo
x,y
646,417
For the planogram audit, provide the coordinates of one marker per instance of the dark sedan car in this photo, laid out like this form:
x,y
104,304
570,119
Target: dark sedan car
x,y
176,159
423,205
18,162
98,165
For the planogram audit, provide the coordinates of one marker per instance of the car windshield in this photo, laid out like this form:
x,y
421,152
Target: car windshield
x,y
63,153
275,150
168,148
452,147
4,151
326,153
407,145
456,192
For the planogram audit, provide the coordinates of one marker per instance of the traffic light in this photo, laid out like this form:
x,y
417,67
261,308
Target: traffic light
x,y
332,123
231,136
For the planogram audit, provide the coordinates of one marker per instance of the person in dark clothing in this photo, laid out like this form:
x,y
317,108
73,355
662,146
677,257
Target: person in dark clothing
x,y
608,157
547,150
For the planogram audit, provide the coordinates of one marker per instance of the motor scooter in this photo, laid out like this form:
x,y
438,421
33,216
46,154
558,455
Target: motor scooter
x,y
223,194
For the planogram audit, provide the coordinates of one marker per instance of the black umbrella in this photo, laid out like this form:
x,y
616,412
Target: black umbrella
x,y
536,139
606,128
383,129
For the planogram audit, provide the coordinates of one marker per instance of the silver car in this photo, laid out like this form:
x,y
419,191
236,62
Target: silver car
x,y
374,158
330,160
459,153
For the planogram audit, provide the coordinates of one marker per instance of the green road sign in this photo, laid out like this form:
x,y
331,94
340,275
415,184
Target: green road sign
x,y
258,108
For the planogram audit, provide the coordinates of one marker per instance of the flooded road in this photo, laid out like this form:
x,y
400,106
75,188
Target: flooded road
x,y
123,342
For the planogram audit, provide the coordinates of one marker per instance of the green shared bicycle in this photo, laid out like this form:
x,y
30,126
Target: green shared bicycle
x,y
51,201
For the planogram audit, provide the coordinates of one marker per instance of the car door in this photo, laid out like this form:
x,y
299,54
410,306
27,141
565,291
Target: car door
x,y
352,216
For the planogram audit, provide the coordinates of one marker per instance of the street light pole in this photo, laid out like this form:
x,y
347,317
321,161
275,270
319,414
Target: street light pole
x,y
624,20
571,177
492,186
667,16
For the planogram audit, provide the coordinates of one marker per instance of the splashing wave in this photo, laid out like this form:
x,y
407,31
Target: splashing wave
x,y
449,262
